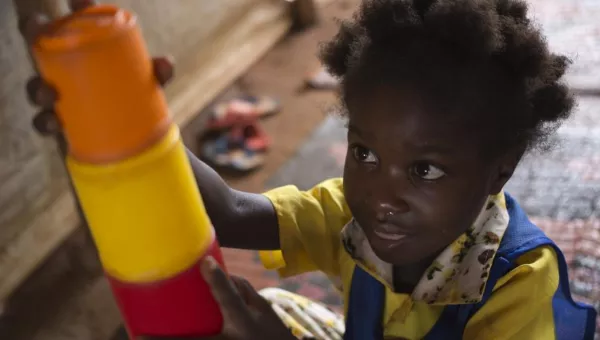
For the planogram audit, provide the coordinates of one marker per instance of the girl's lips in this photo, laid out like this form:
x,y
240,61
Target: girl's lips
x,y
389,237
389,232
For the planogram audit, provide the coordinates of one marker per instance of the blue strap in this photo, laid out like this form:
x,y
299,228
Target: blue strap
x,y
365,308
572,320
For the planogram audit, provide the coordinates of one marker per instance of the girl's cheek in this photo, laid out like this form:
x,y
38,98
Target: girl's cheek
x,y
356,196
365,202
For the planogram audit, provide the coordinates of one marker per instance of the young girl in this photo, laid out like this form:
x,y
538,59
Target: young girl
x,y
442,99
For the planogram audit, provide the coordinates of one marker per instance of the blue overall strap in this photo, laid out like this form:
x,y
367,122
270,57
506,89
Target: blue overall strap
x,y
573,321
364,320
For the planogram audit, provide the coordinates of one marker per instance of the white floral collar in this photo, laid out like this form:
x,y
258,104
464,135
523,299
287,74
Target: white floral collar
x,y
459,274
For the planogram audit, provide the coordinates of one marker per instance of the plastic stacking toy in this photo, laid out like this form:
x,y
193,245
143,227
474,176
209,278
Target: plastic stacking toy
x,y
130,170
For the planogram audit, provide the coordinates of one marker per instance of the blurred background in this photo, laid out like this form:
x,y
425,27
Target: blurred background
x,y
240,57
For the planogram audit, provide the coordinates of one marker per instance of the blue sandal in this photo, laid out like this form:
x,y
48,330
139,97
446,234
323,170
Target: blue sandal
x,y
222,153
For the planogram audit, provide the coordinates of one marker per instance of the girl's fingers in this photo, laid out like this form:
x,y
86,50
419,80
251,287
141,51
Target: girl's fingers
x,y
31,27
46,123
224,291
250,295
76,5
163,69
40,93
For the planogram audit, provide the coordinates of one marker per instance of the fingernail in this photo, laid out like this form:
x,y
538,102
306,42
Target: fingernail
x,y
208,266
211,262
209,269
45,123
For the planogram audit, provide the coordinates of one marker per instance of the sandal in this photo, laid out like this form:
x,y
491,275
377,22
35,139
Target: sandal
x,y
221,153
251,136
242,110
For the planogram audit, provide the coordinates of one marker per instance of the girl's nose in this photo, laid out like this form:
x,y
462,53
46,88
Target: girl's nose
x,y
393,191
386,211
383,212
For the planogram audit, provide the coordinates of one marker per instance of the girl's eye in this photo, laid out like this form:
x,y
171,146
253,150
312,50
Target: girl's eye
x,y
363,155
427,171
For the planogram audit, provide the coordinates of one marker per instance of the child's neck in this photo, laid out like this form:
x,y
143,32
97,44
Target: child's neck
x,y
406,277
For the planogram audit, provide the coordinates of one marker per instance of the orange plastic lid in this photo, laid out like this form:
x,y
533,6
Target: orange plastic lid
x,y
86,27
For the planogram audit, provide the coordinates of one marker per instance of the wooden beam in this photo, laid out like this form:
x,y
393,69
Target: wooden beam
x,y
15,261
24,254
200,78
53,9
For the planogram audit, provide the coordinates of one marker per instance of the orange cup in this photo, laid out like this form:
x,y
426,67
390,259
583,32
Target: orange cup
x,y
123,110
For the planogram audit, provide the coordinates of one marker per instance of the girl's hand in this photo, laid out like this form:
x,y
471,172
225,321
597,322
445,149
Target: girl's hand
x,y
44,96
246,314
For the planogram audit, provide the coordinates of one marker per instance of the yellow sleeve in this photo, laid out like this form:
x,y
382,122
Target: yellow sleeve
x,y
309,228
521,304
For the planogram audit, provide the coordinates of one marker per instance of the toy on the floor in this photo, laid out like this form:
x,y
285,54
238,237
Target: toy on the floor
x,y
131,173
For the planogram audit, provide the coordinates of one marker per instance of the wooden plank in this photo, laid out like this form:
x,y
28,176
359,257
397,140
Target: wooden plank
x,y
198,81
40,239
12,257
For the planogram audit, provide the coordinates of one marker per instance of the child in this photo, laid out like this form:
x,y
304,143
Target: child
x,y
442,98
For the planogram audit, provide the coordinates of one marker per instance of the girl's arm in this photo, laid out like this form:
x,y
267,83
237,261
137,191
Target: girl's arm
x,y
241,219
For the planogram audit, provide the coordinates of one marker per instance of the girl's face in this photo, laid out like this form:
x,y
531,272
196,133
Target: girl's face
x,y
412,181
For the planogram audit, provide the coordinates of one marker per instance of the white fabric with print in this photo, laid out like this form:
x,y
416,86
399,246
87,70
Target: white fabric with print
x,y
459,274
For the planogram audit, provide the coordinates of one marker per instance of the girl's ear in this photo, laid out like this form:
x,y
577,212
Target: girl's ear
x,y
505,169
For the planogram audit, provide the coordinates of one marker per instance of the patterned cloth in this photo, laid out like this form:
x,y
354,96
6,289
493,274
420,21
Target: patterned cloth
x,y
459,273
306,319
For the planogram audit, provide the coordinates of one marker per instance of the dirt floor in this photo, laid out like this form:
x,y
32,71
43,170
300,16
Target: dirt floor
x,y
67,299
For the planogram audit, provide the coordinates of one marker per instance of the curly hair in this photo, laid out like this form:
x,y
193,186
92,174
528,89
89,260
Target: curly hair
x,y
483,61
